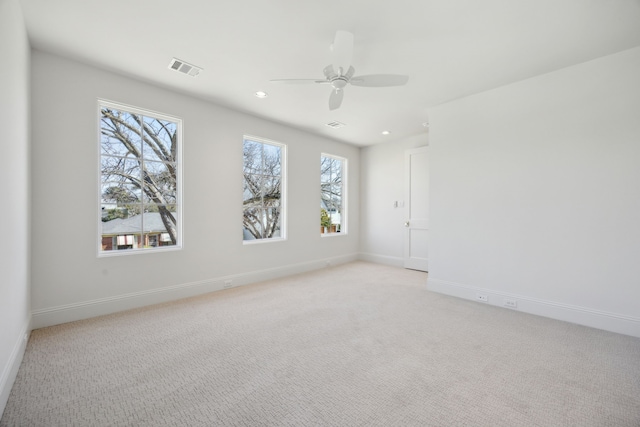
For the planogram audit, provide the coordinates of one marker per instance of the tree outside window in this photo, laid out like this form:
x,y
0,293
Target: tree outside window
x,y
139,170
332,197
263,202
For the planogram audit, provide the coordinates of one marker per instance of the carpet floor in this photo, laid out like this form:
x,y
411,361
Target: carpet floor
x,y
354,345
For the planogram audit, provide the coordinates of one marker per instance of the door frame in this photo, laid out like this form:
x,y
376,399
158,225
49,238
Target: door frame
x,y
411,224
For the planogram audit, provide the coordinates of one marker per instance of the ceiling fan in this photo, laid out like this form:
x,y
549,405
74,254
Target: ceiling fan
x,y
340,72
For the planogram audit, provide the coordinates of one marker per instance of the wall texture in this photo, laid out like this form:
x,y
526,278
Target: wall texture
x,y
14,174
535,194
383,183
71,282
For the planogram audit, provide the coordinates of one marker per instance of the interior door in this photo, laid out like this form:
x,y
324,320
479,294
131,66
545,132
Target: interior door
x,y
417,208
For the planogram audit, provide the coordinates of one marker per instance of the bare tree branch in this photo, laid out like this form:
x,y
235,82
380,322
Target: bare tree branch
x,y
159,185
262,188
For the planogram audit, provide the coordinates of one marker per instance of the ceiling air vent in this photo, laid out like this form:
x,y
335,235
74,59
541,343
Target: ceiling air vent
x,y
336,125
184,68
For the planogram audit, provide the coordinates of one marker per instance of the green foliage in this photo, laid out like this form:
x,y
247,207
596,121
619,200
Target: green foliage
x,y
114,214
118,194
325,219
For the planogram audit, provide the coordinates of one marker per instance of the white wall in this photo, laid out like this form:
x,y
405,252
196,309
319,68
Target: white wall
x,y
383,183
69,281
535,194
14,176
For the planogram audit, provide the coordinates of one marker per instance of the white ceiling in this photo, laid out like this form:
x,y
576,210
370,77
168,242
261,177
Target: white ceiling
x,y
449,49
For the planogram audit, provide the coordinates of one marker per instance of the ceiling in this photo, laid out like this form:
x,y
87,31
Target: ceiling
x,y
448,48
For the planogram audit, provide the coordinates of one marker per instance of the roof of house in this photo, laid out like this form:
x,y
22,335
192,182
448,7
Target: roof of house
x,y
151,220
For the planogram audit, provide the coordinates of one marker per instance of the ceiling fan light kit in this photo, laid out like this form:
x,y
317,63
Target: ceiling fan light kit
x,y
335,75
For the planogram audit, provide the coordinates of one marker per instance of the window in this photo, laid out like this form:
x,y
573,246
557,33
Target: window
x,y
263,199
140,200
332,194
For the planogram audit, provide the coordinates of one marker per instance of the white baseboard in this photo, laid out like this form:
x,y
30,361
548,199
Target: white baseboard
x,y
569,313
10,371
382,259
83,310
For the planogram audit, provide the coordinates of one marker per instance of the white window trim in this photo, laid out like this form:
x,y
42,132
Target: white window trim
x,y
344,227
283,190
179,191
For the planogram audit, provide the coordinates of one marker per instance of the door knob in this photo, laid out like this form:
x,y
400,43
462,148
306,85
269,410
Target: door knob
x,y
406,223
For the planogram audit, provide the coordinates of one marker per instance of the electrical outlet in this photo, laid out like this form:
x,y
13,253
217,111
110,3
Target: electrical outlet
x,y
511,303
482,297
227,284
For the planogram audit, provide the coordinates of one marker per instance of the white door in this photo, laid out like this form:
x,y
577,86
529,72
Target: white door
x,y
417,209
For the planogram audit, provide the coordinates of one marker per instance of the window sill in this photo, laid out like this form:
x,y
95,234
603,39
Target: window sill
x,y
261,241
127,252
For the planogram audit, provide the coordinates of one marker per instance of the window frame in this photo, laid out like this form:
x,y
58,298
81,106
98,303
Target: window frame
x,y
344,228
102,103
283,190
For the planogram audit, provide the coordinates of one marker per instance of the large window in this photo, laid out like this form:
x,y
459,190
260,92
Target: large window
x,y
140,200
263,197
332,194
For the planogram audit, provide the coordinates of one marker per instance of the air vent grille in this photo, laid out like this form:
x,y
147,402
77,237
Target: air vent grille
x,y
184,68
336,125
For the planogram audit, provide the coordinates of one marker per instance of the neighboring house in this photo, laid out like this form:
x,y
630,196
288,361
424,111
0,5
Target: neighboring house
x,y
146,230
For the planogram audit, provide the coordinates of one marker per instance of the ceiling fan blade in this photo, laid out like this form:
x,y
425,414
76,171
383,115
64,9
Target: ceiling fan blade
x,y
350,73
297,81
379,80
335,99
342,49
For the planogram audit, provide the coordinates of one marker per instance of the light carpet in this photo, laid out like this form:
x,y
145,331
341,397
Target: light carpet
x,y
355,345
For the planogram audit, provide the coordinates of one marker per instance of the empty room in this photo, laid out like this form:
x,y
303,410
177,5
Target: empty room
x,y
472,168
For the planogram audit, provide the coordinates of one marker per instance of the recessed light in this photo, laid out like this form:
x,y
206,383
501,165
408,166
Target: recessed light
x,y
385,132
261,94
